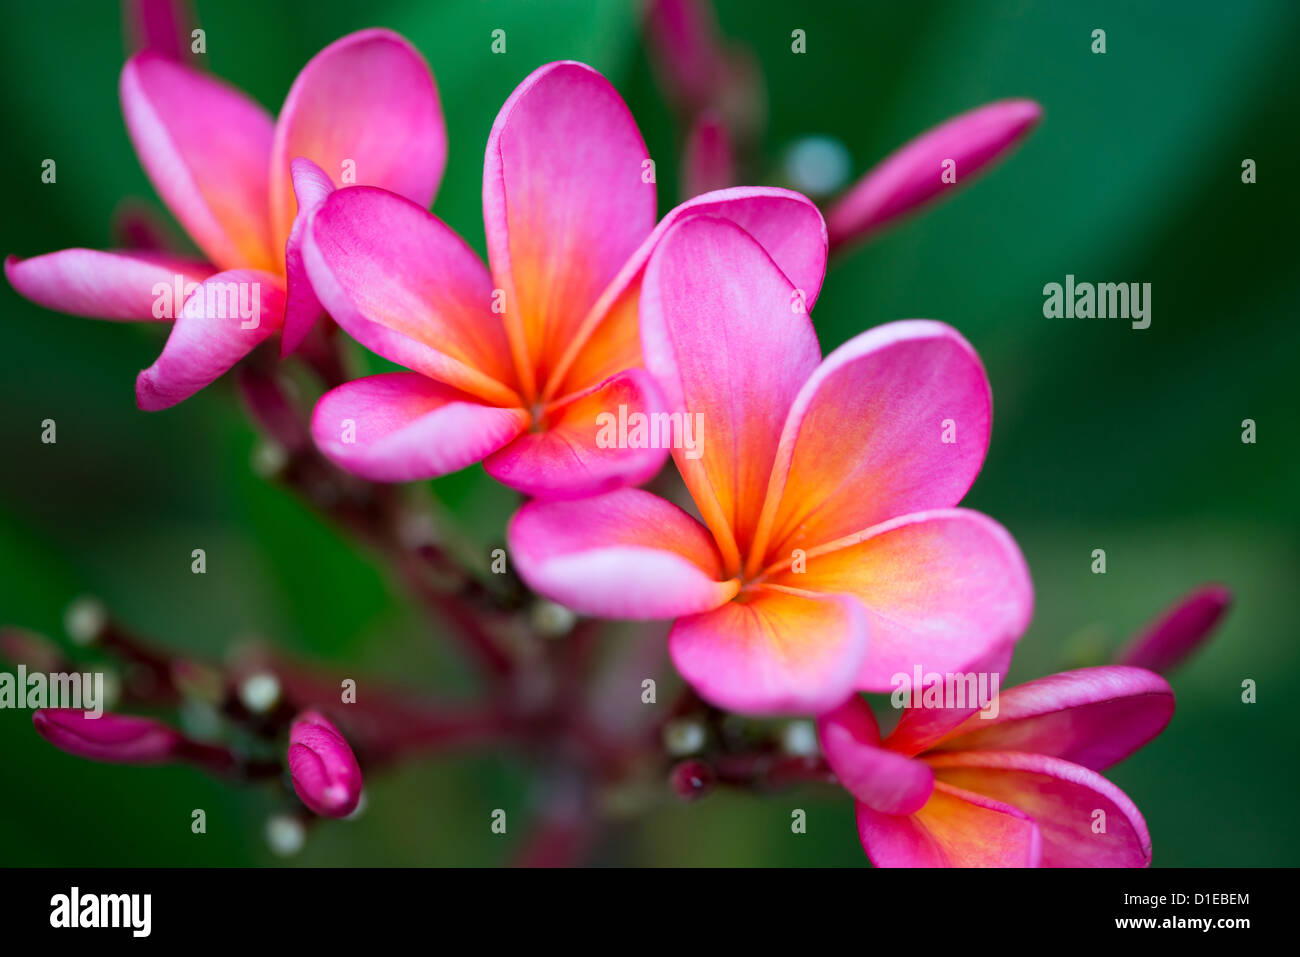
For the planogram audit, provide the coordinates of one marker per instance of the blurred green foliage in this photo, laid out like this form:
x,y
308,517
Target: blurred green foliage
x,y
1104,436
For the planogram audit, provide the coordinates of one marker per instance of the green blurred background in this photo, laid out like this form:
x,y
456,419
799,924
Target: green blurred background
x,y
1104,436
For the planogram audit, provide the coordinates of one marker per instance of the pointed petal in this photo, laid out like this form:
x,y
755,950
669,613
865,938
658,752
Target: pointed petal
x,y
912,176
103,285
723,334
894,421
1093,717
941,589
223,321
956,828
366,104
565,204
625,554
1180,631
216,185
577,451
312,187
1062,798
403,427
774,652
405,286
883,780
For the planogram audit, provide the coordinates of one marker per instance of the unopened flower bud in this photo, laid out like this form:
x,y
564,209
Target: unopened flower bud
x,y
260,692
324,769
691,780
85,620
114,738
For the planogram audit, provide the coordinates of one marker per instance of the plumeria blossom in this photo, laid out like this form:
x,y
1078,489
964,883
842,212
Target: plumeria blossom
x,y
831,555
512,365
953,787
364,107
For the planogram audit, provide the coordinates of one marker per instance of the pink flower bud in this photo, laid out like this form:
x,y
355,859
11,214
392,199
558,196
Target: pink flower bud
x,y
324,769
114,738
707,162
934,162
1172,638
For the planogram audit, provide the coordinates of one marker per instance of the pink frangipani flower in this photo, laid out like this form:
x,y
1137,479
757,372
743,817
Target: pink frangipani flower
x,y
914,174
513,365
324,770
953,787
365,108
830,555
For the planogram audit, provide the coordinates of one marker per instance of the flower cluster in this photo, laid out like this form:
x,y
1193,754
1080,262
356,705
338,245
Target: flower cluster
x,y
815,547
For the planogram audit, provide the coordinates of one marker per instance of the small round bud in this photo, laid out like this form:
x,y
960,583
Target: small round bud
x,y
799,738
260,692
691,780
285,834
85,620
683,736
551,620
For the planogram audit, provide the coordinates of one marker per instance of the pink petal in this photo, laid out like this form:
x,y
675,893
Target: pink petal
x,y
403,427
1180,631
773,651
910,177
1062,798
104,285
722,330
956,828
787,224
211,334
312,187
1094,717
162,26
565,204
919,728
625,554
868,438
405,286
569,455
215,183
883,780
366,106
941,589
707,163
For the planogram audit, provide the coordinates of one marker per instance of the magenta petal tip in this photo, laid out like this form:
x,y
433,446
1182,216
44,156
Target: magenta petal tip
x,y
113,738
324,769
1181,630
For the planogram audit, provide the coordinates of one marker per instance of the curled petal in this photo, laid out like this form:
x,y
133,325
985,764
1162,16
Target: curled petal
x,y
216,185
566,201
103,285
585,447
941,589
786,224
113,738
724,331
885,781
324,770
895,421
407,287
1180,631
913,175
225,318
365,106
625,554
312,187
955,828
403,427
1094,717
774,651
1085,820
